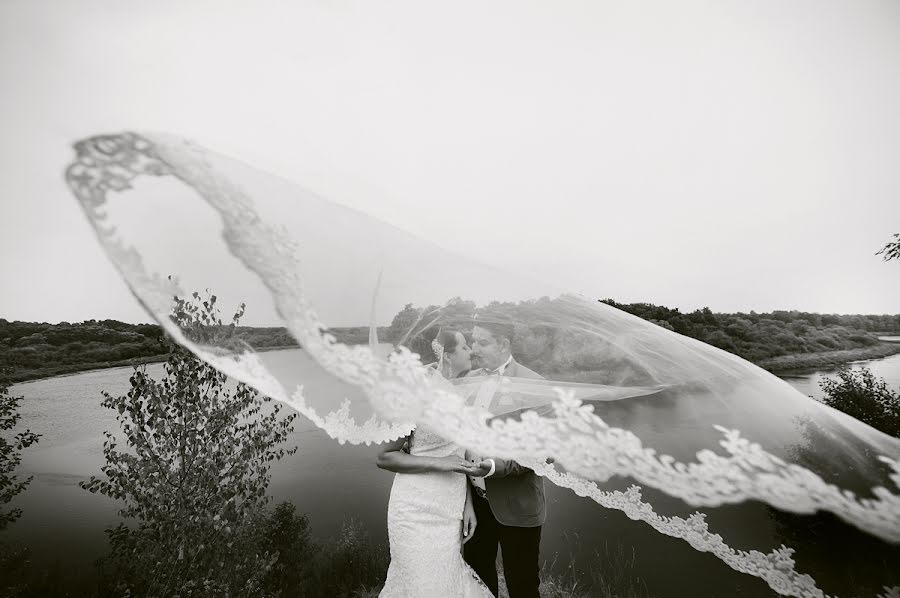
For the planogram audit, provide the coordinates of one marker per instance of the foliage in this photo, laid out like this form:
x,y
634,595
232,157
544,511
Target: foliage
x,y
29,346
347,566
286,535
350,566
553,350
11,455
194,474
14,562
867,398
758,337
891,251
39,350
610,572
289,563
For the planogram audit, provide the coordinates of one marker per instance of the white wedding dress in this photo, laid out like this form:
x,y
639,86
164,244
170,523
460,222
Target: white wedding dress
x,y
425,529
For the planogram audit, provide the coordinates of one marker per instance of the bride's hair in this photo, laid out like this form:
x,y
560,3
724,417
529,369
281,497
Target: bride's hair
x,y
444,342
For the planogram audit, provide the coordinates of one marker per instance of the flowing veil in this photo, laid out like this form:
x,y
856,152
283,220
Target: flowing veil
x,y
689,439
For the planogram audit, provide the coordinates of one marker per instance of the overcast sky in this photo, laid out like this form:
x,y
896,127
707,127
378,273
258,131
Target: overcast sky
x,y
731,154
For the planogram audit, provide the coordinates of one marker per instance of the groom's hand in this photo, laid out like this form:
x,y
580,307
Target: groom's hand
x,y
482,468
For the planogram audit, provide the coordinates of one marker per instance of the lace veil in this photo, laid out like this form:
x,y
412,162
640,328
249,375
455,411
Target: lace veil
x,y
687,438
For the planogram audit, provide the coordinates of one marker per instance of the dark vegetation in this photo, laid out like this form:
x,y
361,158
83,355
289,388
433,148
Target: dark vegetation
x,y
11,446
779,341
806,339
867,398
192,476
33,350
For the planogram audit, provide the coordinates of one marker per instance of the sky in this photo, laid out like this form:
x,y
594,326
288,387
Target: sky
x,y
737,155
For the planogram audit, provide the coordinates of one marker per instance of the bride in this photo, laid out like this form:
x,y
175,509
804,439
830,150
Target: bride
x,y
430,513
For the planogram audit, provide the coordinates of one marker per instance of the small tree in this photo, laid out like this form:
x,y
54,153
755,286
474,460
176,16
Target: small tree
x,y
14,560
195,472
891,251
11,454
867,398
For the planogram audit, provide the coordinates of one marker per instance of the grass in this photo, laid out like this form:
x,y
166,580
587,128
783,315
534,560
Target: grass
x,y
610,574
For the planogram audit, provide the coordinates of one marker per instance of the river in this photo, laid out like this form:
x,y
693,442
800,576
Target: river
x,y
64,524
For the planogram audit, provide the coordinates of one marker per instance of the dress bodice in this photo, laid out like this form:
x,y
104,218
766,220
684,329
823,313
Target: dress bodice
x,y
425,443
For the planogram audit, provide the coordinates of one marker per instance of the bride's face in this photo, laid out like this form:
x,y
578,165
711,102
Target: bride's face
x,y
461,357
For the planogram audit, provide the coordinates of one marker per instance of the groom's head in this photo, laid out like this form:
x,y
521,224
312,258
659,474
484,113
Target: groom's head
x,y
491,343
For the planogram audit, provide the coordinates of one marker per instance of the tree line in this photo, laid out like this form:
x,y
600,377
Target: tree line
x,y
803,338
38,349
32,350
760,336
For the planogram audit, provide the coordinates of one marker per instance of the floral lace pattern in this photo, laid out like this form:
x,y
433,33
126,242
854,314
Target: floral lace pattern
x,y
401,390
776,568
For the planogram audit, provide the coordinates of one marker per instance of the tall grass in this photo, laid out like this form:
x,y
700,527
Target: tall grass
x,y
610,573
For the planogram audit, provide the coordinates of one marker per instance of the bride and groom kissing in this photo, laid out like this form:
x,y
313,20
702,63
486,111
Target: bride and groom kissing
x,y
449,510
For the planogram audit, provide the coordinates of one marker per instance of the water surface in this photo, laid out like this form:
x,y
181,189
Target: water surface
x,y
329,481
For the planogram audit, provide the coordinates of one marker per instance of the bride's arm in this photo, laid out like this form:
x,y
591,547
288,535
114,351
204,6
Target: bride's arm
x,y
393,458
469,521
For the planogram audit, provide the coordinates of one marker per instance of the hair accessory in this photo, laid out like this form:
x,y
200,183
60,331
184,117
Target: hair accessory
x,y
437,347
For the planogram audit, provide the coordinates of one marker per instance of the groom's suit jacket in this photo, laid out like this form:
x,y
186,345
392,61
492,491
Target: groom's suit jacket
x,y
514,492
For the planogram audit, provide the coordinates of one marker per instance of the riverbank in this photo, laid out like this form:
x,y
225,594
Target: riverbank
x,y
79,368
785,364
59,371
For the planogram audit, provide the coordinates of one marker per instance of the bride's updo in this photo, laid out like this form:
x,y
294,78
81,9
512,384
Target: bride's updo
x,y
447,342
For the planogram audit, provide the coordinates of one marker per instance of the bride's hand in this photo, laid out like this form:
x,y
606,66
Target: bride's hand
x,y
459,465
469,522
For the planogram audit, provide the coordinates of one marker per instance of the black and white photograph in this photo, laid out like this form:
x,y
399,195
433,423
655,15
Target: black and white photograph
x,y
345,299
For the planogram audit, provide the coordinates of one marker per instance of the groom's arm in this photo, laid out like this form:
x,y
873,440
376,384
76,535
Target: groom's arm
x,y
504,468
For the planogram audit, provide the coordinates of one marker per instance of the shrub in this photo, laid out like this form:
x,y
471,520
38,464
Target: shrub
x,y
193,477
11,455
351,565
868,399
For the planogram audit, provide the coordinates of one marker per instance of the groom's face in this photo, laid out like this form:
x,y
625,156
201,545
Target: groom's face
x,y
487,351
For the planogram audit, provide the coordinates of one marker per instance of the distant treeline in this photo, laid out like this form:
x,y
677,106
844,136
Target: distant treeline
x,y
779,341
30,350
760,337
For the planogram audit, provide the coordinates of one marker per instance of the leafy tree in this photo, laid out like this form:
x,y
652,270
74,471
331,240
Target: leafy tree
x,y
194,474
867,398
287,535
11,455
891,251
14,560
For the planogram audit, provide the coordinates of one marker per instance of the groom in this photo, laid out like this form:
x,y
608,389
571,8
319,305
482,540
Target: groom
x,y
509,500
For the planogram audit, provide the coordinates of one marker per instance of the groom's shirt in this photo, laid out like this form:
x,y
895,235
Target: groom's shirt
x,y
483,400
499,371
